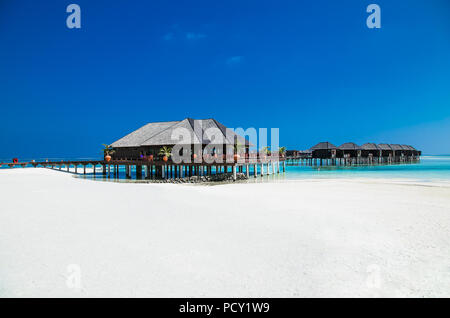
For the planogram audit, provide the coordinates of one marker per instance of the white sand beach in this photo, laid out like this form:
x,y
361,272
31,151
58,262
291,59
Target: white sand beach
x,y
68,237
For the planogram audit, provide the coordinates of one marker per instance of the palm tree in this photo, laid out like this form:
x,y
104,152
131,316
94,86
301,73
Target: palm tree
x,y
237,150
238,147
266,151
108,150
282,151
166,152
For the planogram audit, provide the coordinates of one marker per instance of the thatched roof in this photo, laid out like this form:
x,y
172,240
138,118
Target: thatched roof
x,y
396,147
408,147
349,146
163,133
384,146
323,146
370,146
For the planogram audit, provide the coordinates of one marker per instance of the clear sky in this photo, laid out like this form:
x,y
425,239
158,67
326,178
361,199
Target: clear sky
x,y
311,68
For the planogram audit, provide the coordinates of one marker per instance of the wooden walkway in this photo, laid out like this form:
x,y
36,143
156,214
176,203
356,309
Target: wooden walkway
x,y
162,169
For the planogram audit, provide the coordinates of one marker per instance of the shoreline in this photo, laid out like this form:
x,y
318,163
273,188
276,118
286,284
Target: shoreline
x,y
265,179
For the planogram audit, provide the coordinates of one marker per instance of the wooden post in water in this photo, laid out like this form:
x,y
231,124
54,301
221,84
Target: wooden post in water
x,y
247,171
138,172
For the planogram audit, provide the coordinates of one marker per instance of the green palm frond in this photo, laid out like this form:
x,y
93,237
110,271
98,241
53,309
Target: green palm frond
x,y
165,151
108,150
265,150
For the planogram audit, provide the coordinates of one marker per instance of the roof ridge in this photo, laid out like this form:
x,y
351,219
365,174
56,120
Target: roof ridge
x,y
192,124
222,127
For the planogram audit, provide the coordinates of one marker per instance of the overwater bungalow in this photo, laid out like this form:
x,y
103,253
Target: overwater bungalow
x,y
298,153
348,150
407,152
411,151
292,153
371,151
386,152
324,150
398,150
149,139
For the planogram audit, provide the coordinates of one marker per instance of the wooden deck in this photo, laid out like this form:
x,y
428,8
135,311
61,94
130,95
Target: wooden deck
x,y
162,169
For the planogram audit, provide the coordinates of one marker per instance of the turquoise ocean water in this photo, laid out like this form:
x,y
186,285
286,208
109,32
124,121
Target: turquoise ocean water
x,y
429,169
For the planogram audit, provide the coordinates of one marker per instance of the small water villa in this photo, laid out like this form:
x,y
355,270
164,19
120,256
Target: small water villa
x,y
325,153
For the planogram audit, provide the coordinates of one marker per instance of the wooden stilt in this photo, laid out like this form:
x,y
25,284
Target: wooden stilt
x,y
138,172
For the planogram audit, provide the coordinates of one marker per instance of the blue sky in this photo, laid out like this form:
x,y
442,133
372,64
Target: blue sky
x,y
311,68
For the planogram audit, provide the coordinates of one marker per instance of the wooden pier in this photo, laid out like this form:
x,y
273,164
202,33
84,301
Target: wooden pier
x,y
162,169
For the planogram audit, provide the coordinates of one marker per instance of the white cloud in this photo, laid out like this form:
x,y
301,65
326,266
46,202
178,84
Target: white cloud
x,y
234,60
169,36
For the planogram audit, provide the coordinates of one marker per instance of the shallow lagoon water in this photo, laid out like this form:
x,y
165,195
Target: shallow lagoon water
x,y
429,168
